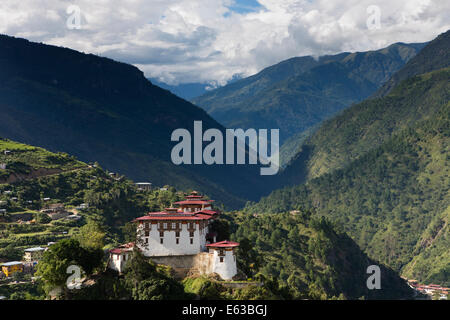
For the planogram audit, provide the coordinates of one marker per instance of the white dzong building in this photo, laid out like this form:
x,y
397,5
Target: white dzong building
x,y
186,231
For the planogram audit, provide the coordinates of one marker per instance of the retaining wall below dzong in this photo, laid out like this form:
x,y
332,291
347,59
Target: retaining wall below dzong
x,y
196,264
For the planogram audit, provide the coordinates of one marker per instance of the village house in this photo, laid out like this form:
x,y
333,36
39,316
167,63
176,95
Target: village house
x,y
55,211
9,268
73,217
144,186
182,238
83,206
33,254
3,166
429,289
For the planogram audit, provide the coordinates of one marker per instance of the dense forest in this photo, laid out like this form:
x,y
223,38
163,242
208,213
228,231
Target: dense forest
x,y
311,257
394,199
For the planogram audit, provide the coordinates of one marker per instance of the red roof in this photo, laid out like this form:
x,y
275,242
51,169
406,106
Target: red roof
x,y
194,202
128,245
123,248
223,244
174,216
210,212
117,251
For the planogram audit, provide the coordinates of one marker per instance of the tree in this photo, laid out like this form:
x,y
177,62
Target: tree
x,y
91,235
138,269
247,257
158,288
146,283
42,218
18,296
54,263
222,228
129,232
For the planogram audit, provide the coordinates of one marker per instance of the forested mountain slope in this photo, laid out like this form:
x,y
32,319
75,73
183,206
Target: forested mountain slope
x,y
310,258
436,55
394,198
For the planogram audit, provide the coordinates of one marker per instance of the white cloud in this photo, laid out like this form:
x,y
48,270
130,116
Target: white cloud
x,y
204,40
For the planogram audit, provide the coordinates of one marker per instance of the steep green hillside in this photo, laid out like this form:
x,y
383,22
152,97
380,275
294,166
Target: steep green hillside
x,y
393,200
380,168
436,55
363,127
310,258
43,177
20,160
101,110
433,247
301,92
293,145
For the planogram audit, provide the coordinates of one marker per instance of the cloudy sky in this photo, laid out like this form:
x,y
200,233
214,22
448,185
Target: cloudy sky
x,y
181,41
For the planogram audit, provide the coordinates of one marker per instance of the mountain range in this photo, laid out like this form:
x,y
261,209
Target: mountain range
x,y
367,135
300,92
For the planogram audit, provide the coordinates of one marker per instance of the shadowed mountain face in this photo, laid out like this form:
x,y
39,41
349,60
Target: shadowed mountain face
x,y
298,93
101,110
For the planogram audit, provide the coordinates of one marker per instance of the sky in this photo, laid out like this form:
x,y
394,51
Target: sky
x,y
210,41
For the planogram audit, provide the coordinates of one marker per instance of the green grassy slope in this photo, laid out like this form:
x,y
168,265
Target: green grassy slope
x,y
21,159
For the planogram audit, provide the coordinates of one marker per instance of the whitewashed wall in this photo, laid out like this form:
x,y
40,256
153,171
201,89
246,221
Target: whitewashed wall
x,y
226,269
117,261
169,245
